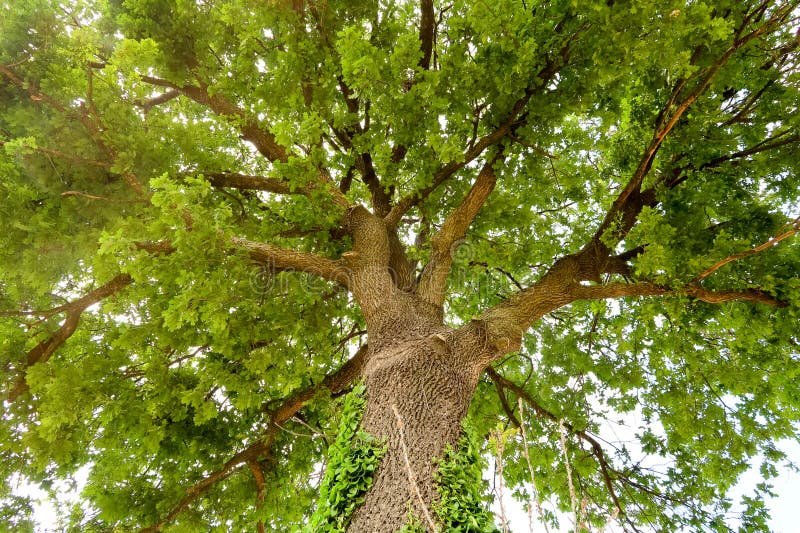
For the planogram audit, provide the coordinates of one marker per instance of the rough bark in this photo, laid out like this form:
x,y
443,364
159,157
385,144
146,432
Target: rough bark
x,y
418,392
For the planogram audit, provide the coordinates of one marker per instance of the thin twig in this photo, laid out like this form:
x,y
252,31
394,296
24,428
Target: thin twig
x,y
498,463
103,198
537,498
791,229
573,500
597,449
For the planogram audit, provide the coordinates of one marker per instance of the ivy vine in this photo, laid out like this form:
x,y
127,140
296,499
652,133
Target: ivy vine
x,y
463,504
352,460
355,455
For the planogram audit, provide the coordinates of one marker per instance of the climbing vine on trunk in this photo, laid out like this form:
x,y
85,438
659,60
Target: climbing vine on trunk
x,y
352,460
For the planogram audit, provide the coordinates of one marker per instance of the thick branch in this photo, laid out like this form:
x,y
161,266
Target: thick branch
x,y
258,477
155,247
497,379
284,259
33,93
235,180
507,321
45,349
271,256
401,269
336,383
433,282
427,25
368,262
251,453
380,199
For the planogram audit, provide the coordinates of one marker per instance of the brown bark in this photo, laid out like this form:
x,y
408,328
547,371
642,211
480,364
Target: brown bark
x,y
419,376
418,392
433,283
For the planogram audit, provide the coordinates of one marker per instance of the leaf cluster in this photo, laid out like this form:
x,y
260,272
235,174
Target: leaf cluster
x,y
352,460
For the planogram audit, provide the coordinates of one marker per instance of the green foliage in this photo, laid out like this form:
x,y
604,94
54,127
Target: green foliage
x,y
352,460
462,507
164,382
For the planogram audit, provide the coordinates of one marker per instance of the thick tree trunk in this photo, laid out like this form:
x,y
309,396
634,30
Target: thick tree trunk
x,y
419,374
418,392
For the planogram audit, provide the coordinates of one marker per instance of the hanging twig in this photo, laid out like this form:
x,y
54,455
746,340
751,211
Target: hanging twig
x,y
573,500
536,497
499,470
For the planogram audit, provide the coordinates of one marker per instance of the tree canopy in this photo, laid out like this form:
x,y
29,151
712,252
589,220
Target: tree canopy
x,y
206,206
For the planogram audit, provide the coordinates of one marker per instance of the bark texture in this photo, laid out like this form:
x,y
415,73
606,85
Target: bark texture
x,y
418,392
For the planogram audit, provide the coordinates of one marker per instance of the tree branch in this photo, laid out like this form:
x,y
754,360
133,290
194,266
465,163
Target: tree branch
x,y
627,206
264,141
68,157
506,322
368,263
33,93
258,477
497,379
88,196
380,199
788,230
91,125
335,382
776,141
407,202
163,98
513,120
235,180
45,349
597,450
427,25
620,290
433,283
251,453
284,259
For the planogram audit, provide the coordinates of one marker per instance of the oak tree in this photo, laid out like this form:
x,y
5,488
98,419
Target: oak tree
x,y
540,217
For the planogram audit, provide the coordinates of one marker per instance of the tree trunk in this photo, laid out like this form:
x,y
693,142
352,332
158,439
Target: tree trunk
x,y
419,375
418,392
